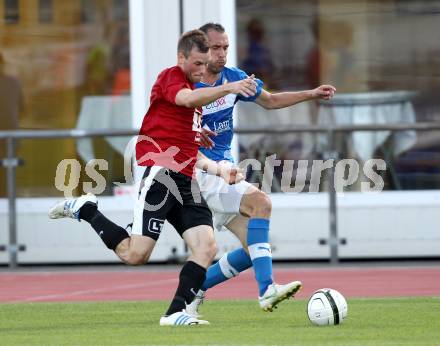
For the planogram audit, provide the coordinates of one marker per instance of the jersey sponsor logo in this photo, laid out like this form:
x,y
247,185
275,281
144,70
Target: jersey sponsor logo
x,y
222,126
217,103
222,103
155,225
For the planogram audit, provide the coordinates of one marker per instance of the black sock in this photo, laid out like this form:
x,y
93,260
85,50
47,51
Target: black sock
x,y
87,211
191,279
110,233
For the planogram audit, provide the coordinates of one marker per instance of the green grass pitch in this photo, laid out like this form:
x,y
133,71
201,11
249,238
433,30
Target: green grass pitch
x,y
398,321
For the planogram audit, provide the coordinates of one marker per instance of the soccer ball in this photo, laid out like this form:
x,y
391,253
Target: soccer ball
x,y
327,307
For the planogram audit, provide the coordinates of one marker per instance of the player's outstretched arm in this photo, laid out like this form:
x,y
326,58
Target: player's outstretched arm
x,y
286,99
203,96
231,174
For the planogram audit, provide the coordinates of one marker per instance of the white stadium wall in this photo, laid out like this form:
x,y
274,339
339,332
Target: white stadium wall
x,y
384,225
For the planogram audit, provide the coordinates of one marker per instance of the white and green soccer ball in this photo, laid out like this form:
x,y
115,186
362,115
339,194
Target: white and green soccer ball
x,y
327,307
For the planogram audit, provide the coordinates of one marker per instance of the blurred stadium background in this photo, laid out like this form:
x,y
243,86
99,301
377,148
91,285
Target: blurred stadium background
x,y
89,65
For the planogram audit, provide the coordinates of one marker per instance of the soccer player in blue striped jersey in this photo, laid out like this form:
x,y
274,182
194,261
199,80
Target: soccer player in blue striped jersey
x,y
241,208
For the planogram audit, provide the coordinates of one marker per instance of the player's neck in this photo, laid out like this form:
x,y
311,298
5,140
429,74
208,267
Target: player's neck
x,y
210,78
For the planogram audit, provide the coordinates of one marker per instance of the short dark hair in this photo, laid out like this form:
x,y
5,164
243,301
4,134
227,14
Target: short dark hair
x,y
212,26
193,39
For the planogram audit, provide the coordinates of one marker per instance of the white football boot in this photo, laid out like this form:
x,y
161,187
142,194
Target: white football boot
x,y
193,308
277,293
71,207
180,318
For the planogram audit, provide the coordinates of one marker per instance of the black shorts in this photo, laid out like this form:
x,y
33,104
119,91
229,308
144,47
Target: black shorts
x,y
168,195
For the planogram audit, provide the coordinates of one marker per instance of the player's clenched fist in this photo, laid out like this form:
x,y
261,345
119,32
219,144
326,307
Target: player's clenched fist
x,y
324,92
245,87
232,175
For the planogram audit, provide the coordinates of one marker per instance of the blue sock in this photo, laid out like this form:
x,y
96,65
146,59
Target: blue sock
x,y
259,250
230,265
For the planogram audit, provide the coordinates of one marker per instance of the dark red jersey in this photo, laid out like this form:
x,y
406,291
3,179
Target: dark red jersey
x,y
169,136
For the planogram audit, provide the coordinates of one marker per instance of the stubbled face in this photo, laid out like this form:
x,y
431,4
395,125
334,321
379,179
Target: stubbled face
x,y
194,66
219,44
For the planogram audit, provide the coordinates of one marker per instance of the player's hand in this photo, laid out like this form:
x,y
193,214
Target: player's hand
x,y
205,140
246,87
232,175
324,92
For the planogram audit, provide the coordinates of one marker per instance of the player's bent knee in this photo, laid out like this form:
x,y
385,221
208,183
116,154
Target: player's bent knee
x,y
261,205
266,204
206,252
212,251
136,258
209,252
138,250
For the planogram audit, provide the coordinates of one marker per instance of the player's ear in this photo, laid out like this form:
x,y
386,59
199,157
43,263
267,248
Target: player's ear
x,y
180,57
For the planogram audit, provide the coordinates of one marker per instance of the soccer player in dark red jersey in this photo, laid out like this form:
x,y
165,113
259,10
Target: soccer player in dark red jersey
x,y
167,146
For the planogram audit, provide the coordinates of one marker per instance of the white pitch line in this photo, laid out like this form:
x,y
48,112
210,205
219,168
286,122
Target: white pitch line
x,y
97,290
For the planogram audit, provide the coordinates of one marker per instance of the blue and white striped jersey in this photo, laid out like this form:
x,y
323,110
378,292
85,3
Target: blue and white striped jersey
x,y
217,116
